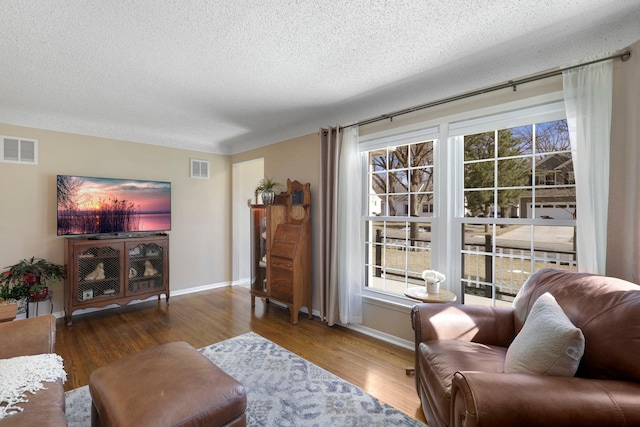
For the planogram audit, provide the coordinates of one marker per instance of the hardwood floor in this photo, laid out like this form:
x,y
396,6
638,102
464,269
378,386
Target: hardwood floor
x,y
204,318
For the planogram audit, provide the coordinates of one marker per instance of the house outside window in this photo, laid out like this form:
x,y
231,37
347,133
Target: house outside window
x,y
535,227
488,205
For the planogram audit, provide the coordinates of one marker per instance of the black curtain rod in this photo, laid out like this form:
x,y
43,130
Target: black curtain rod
x,y
624,56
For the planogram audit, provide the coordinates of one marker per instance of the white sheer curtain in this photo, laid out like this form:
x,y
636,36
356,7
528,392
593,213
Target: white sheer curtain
x,y
350,242
588,99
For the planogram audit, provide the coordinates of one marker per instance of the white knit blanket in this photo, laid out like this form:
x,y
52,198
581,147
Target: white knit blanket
x,y
23,374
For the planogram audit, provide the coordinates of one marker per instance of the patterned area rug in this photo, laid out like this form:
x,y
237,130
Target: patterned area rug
x,y
283,389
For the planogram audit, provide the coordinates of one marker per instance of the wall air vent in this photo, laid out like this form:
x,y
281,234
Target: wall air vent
x,y
199,169
18,150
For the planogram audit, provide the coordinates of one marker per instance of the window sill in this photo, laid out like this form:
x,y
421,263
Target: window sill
x,y
385,300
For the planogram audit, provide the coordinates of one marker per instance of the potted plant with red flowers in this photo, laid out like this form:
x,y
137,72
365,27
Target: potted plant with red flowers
x,y
35,274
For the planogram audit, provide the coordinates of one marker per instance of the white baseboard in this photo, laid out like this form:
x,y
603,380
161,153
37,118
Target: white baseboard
x,y
382,336
200,288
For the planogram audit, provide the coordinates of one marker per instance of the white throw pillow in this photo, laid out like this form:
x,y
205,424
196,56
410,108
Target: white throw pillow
x,y
548,344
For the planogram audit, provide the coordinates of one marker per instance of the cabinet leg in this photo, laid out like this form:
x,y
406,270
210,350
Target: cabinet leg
x,y
253,301
294,316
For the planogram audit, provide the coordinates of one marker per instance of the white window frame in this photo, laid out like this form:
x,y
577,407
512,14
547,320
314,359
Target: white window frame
x,y
448,212
414,136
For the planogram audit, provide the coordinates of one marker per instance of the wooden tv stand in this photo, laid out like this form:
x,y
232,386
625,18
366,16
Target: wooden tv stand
x,y
114,271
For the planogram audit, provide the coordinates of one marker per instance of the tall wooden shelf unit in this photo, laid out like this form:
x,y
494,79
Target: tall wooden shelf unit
x,y
115,271
281,250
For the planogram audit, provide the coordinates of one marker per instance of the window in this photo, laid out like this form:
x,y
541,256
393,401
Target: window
x,y
398,218
488,205
535,226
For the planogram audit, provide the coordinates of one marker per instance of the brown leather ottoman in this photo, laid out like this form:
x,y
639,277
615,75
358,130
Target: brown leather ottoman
x,y
167,385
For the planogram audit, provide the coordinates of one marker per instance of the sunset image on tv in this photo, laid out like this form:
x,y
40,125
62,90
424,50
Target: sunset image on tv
x,y
88,205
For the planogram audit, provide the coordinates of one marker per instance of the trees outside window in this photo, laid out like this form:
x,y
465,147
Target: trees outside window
x,y
523,189
400,182
516,193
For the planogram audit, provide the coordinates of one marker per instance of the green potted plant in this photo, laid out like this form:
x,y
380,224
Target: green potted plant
x,y
267,188
34,274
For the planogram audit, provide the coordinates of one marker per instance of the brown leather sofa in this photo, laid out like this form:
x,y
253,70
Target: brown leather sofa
x,y
36,335
460,355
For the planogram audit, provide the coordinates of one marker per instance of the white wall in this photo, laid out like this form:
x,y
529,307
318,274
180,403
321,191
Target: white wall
x,y
246,176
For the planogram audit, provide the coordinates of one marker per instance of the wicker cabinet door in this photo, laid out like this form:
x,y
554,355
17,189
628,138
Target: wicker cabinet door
x,y
98,273
145,267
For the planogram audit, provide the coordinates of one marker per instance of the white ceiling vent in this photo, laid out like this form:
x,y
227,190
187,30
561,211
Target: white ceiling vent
x,y
199,169
18,150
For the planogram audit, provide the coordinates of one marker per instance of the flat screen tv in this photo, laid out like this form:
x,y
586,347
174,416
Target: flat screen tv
x,y
110,206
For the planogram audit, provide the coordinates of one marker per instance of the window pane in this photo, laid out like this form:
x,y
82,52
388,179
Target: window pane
x,y
555,247
378,160
554,169
556,203
376,204
478,203
398,205
552,136
378,182
479,174
421,154
398,181
509,202
512,143
477,259
514,172
425,201
421,179
398,157
479,146
523,136
511,271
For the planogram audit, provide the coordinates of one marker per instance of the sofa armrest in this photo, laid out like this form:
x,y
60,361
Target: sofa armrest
x,y
35,335
477,323
490,399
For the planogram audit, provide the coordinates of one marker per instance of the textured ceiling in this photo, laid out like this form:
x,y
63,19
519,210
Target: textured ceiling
x,y
228,76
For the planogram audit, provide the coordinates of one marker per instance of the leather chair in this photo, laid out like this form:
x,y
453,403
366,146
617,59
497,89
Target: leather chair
x,y
460,357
